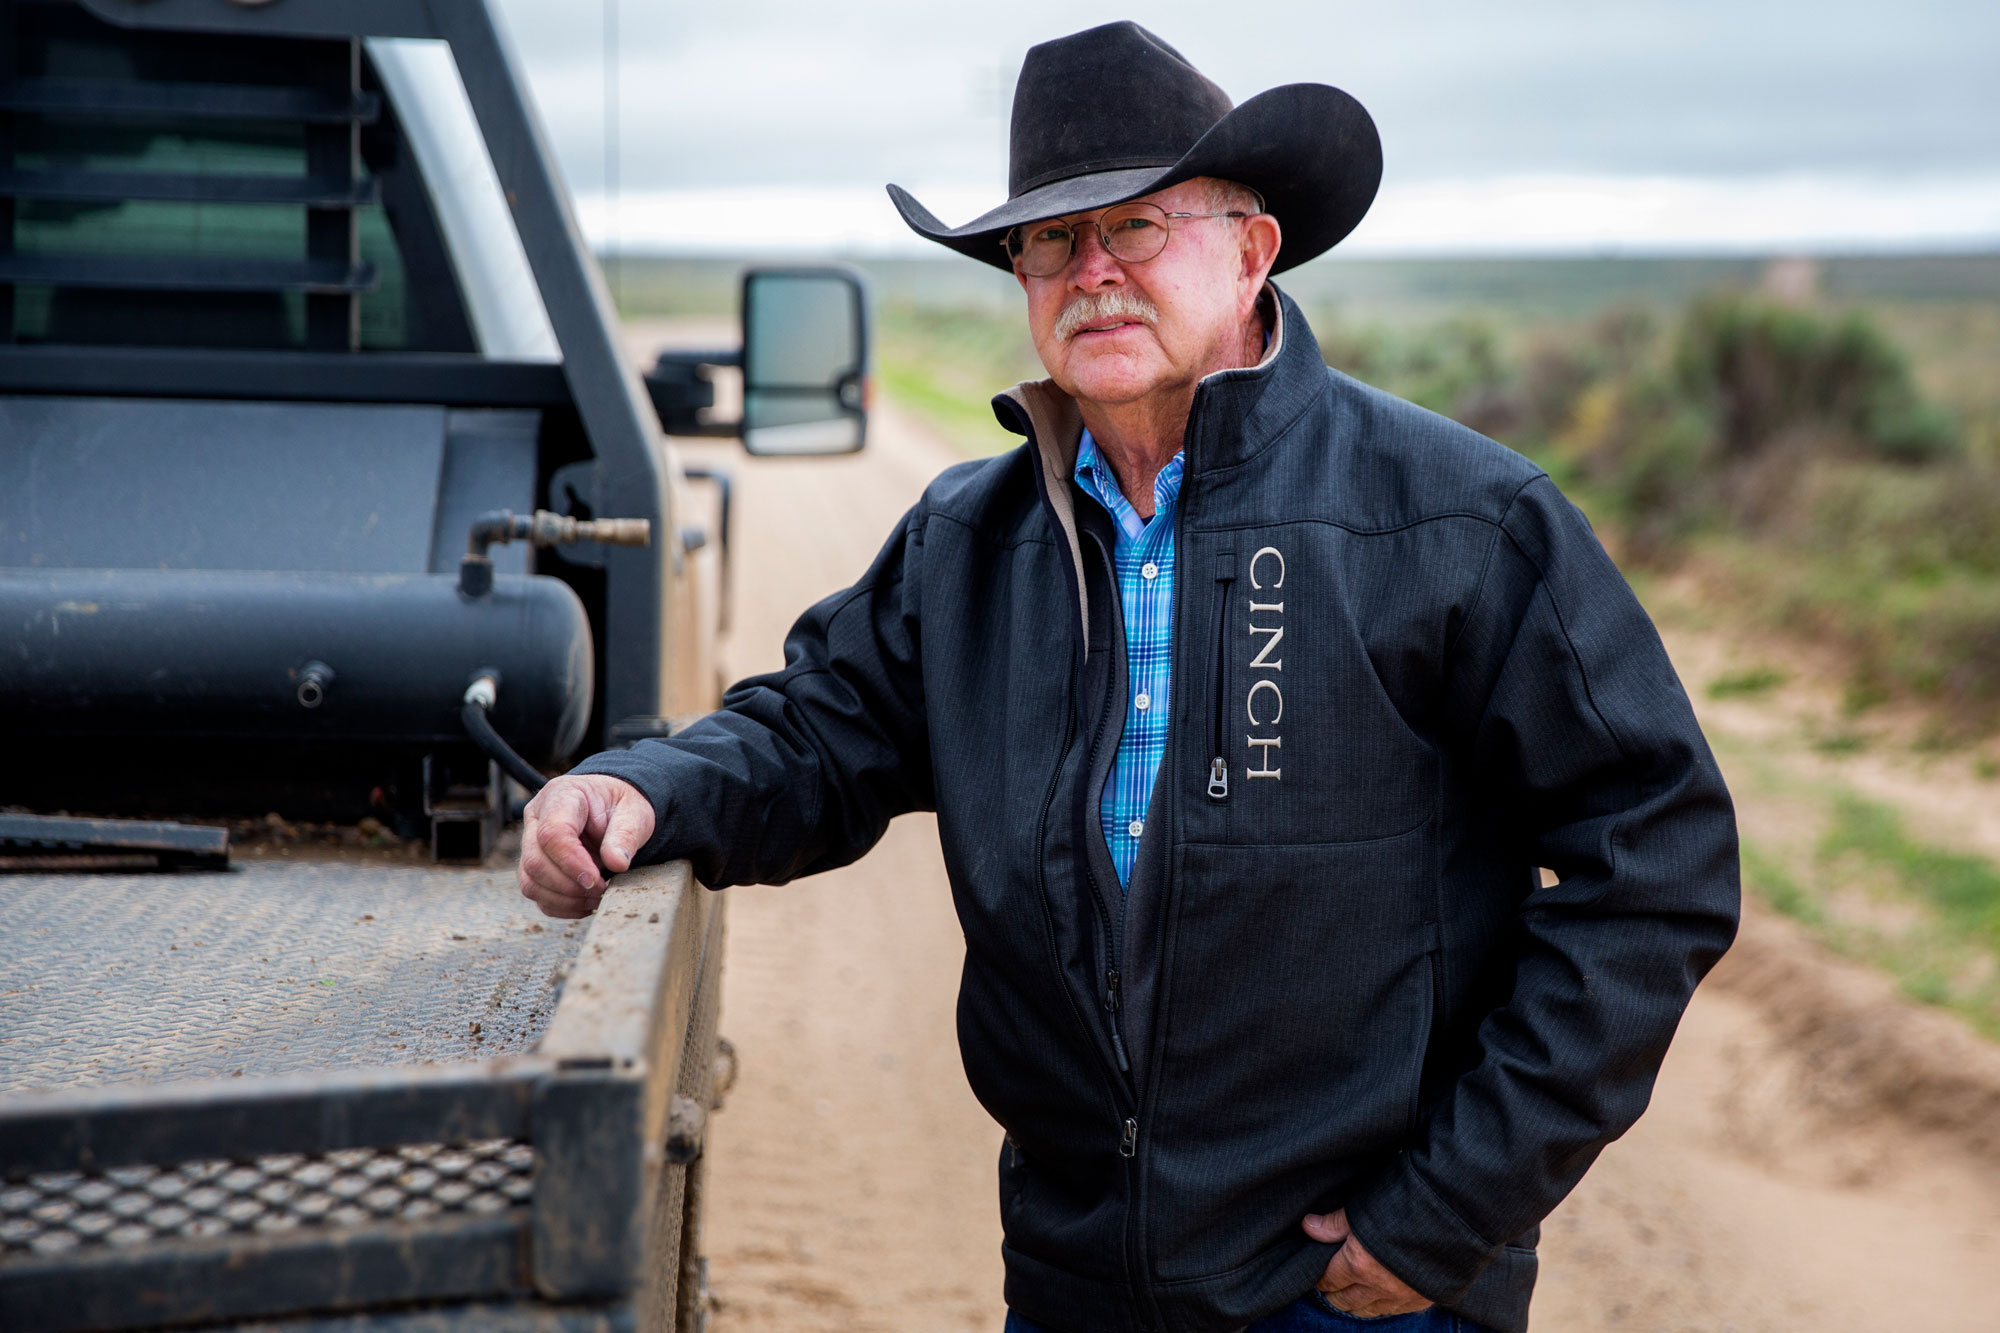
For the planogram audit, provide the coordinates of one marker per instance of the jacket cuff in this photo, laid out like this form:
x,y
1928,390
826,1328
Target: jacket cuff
x,y
1417,1236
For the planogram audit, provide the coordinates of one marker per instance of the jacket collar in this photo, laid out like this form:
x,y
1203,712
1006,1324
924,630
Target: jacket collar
x,y
1237,413
1262,399
1258,401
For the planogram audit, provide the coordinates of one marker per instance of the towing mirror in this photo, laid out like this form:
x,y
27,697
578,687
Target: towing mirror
x,y
805,360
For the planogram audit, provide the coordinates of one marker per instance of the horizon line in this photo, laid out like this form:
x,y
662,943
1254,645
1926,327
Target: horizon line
x,y
1979,249
1517,216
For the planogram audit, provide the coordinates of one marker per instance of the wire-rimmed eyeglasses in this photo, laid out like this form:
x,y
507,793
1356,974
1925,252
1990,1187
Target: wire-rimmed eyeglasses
x,y
1131,233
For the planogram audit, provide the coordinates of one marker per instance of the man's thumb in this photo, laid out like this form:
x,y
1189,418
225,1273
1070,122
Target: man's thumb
x,y
631,824
1328,1229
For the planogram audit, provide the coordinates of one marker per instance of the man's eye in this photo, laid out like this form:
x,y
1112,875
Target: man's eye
x,y
1049,234
1134,224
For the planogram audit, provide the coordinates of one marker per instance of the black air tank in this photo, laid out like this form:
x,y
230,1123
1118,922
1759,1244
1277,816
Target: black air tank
x,y
277,656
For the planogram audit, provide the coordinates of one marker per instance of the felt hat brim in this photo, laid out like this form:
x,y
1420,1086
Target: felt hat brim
x,y
1309,149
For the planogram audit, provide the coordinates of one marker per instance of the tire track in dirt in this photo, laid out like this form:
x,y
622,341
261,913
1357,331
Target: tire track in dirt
x,y
1771,1185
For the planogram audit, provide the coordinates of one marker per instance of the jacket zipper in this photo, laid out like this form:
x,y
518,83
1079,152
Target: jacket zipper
x,y
1218,788
1111,1007
1218,765
1129,1127
1041,831
1108,921
1113,936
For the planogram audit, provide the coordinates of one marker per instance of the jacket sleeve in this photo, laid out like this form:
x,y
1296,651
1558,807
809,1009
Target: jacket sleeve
x,y
801,770
1561,700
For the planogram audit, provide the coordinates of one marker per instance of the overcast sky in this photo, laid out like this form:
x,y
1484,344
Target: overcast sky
x,y
1552,123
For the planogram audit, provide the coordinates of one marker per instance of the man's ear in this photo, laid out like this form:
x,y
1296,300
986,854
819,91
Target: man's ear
x,y
1261,239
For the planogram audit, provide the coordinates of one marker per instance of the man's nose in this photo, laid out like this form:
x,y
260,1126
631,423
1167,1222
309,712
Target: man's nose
x,y
1090,264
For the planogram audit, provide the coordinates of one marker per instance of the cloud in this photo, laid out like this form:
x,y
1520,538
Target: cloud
x,y
785,94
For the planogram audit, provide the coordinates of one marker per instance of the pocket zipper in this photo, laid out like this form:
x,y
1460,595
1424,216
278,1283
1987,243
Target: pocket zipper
x,y
1218,766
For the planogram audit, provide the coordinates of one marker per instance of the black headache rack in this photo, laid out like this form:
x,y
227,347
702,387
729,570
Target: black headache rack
x,y
552,1186
62,113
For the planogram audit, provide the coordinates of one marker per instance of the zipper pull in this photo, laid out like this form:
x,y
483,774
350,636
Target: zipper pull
x,y
1128,1144
1111,990
1218,779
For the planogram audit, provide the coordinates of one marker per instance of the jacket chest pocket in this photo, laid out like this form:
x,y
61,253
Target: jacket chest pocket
x,y
1298,738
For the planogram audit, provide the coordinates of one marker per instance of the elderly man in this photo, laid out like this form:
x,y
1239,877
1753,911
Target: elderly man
x,y
1250,701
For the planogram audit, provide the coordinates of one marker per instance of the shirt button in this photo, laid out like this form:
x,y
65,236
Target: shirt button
x,y
1143,702
1149,571
1136,827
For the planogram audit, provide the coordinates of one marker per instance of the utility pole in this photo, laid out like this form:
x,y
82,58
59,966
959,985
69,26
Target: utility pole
x,y
612,264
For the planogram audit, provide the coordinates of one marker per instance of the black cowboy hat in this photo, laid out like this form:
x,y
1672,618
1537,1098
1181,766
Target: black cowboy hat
x,y
1113,113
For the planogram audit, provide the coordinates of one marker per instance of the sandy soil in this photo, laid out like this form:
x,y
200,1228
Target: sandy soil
x,y
853,1175
1774,1185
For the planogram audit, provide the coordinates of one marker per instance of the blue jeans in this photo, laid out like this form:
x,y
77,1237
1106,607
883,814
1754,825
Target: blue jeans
x,y
1311,1314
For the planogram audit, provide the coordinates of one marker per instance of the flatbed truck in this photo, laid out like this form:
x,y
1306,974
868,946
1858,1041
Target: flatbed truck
x,y
332,518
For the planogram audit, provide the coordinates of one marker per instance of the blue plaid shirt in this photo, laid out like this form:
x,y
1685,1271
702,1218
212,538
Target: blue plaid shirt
x,y
1145,561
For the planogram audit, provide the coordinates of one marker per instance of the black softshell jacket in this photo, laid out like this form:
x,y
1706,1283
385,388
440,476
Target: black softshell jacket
x,y
1405,676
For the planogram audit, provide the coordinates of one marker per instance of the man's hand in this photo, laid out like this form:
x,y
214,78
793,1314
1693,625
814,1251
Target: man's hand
x,y
1354,1281
577,830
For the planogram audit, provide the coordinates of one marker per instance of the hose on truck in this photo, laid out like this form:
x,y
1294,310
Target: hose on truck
x,y
479,698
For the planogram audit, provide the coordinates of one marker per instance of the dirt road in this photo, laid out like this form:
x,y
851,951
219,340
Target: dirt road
x,y
853,1174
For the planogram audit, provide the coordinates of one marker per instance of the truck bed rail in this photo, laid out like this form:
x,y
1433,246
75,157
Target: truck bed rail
x,y
558,1171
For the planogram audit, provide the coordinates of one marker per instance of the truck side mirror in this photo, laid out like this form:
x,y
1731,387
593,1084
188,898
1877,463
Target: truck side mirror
x,y
805,360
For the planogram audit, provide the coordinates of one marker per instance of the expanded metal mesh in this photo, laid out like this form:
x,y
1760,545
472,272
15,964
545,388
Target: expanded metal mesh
x,y
57,1212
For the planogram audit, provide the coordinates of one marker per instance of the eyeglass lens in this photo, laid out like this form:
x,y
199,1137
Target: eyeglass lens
x,y
1132,233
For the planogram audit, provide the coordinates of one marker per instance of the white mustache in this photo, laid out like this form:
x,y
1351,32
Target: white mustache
x,y
1104,307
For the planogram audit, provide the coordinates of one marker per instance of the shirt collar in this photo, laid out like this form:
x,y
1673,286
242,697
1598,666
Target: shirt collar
x,y
1096,477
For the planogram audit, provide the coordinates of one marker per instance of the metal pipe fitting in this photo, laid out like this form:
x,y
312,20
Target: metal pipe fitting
x,y
314,678
544,527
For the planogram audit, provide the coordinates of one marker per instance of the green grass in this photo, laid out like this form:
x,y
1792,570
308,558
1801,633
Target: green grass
x,y
1769,880
945,365
1946,959
1754,681
968,425
1927,635
1866,888
1964,889
1946,954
